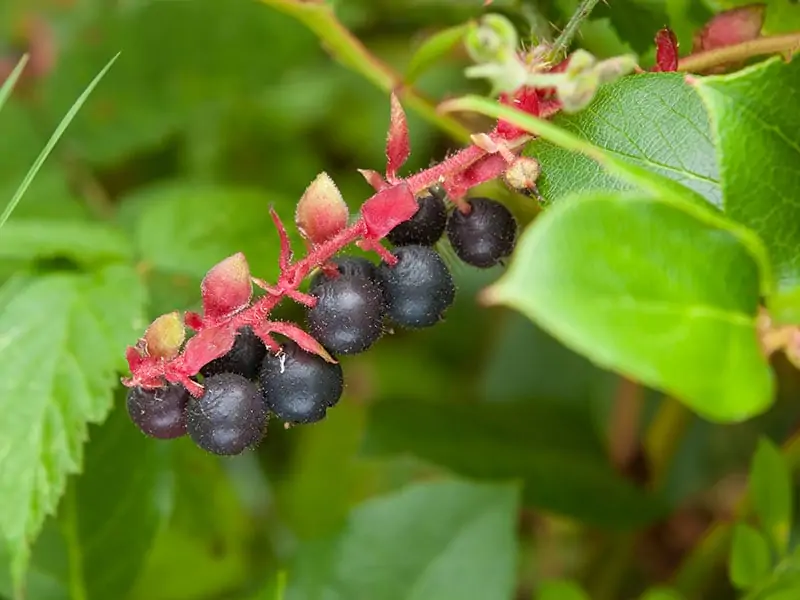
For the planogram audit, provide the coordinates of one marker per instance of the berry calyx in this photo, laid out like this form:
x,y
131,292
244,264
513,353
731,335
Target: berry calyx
x,y
229,417
419,287
159,413
348,315
243,359
299,387
425,227
483,236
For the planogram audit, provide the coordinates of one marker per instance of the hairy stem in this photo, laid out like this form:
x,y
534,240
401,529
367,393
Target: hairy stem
x,y
693,575
347,49
563,41
703,61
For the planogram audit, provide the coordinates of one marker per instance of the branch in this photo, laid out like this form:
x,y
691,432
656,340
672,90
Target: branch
x,y
703,61
563,41
348,50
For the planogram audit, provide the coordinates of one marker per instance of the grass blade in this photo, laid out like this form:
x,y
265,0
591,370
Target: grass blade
x,y
8,84
62,126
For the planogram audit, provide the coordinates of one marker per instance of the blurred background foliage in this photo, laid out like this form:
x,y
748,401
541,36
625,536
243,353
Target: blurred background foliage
x,y
217,110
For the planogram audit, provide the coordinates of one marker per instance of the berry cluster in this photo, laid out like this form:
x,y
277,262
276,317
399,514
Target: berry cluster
x,y
354,302
222,385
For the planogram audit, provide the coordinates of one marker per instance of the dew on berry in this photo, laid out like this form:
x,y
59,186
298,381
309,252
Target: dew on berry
x,y
159,413
229,417
425,227
419,288
348,315
243,359
485,236
299,387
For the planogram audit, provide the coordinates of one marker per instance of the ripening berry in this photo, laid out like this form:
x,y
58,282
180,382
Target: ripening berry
x,y
419,288
425,227
159,413
229,417
298,386
243,359
485,236
348,316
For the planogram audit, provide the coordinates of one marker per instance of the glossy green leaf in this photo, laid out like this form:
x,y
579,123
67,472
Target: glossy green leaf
x,y
750,560
59,362
532,442
448,540
187,229
772,493
432,50
655,121
756,123
111,514
651,288
561,590
81,241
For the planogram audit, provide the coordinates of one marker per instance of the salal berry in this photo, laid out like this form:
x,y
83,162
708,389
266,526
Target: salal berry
x,y
229,417
299,387
419,287
159,413
425,227
348,315
243,359
484,236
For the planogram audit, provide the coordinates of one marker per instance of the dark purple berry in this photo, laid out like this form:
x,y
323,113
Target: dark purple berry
x,y
419,288
243,359
298,386
348,316
159,413
485,236
354,266
425,227
229,417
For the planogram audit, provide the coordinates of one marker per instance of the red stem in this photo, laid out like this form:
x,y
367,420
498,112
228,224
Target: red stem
x,y
457,167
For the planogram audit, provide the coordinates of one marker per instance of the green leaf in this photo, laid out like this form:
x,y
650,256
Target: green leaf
x,y
561,590
59,361
444,540
111,514
757,126
771,489
750,561
532,441
621,277
11,80
661,593
59,131
655,121
81,241
432,50
187,229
